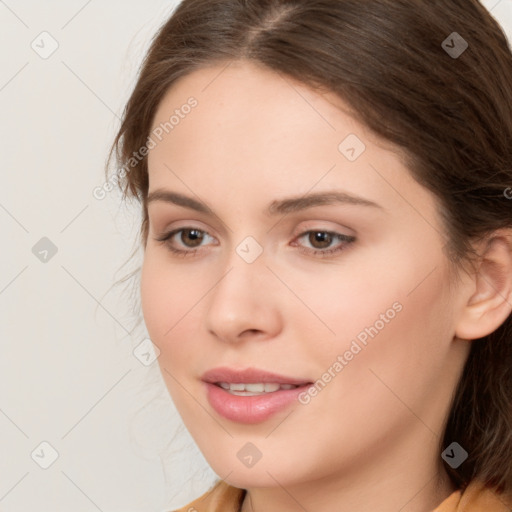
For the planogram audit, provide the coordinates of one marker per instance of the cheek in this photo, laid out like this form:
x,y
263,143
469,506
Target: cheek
x,y
393,344
170,300
392,314
154,297
166,293
369,394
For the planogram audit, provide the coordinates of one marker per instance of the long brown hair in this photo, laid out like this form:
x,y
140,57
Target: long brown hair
x,y
444,98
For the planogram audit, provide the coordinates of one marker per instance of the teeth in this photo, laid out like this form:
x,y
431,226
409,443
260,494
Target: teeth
x,y
253,389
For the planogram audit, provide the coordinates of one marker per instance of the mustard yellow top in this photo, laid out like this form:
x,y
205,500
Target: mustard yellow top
x,y
223,497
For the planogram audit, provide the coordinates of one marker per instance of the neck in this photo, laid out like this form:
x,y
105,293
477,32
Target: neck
x,y
402,485
426,499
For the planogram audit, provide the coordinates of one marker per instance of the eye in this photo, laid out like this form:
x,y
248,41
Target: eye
x,y
321,242
190,238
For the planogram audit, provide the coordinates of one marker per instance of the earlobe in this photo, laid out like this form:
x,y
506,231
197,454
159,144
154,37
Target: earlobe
x,y
489,303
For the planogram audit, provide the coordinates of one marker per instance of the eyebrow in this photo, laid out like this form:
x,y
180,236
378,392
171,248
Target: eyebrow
x,y
277,207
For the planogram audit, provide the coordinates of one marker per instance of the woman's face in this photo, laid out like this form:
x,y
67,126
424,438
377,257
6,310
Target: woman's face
x,y
306,250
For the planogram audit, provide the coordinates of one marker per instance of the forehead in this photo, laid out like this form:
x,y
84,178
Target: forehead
x,y
251,125
242,91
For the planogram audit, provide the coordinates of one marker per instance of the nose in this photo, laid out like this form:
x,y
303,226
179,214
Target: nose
x,y
243,304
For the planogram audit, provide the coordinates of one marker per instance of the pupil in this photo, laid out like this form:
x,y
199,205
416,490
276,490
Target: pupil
x,y
322,237
193,235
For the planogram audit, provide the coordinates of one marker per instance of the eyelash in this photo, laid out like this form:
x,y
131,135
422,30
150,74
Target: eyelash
x,y
166,238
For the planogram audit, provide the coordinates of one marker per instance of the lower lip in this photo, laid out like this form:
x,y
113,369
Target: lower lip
x,y
251,409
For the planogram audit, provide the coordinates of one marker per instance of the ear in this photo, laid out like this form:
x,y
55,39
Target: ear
x,y
489,301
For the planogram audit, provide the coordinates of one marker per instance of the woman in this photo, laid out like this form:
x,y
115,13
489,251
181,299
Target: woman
x,y
327,232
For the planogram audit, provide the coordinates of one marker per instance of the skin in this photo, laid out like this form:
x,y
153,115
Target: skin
x,y
370,439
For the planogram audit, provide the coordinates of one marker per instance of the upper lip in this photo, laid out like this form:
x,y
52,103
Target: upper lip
x,y
248,376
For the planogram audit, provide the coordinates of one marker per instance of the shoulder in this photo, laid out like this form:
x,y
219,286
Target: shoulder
x,y
221,497
476,497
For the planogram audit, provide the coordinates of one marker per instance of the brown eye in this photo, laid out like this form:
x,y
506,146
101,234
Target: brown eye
x,y
191,237
322,243
320,239
184,241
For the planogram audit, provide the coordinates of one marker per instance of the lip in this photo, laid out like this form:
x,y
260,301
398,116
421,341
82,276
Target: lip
x,y
249,376
250,409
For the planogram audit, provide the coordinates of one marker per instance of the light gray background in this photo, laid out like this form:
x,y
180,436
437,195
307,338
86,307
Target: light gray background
x,y
68,373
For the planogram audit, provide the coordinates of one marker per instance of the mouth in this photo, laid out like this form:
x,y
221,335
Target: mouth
x,y
254,389
252,380
251,395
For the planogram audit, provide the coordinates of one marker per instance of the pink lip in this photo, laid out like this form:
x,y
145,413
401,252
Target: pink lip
x,y
250,409
248,376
